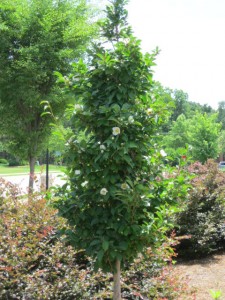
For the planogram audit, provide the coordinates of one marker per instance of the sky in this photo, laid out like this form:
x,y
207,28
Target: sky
x,y
191,37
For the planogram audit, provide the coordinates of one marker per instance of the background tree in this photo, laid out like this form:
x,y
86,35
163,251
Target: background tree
x,y
221,114
200,133
178,136
188,108
221,144
204,133
177,103
163,94
116,200
205,108
180,103
38,37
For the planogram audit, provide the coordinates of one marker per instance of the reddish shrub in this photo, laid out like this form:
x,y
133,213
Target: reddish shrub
x,y
203,217
35,263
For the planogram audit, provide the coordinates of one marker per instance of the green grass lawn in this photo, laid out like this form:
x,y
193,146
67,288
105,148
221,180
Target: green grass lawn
x,y
6,170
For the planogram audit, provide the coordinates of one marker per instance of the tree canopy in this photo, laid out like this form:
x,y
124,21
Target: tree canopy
x,y
200,133
38,37
221,114
204,133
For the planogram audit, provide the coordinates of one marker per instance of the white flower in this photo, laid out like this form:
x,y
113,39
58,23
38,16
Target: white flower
x,y
78,107
103,191
124,186
75,78
149,111
83,184
153,98
69,142
163,153
131,119
102,147
77,172
67,81
126,40
115,130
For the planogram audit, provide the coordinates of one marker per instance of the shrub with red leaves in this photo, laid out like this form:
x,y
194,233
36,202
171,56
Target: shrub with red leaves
x,y
36,264
203,217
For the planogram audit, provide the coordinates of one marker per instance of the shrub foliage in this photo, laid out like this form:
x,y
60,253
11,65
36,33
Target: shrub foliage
x,y
35,263
203,217
3,161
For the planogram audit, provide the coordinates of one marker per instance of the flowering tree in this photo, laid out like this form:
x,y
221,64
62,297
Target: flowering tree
x,y
113,204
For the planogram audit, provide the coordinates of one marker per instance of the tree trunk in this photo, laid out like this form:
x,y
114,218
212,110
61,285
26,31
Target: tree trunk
x,y
31,177
116,282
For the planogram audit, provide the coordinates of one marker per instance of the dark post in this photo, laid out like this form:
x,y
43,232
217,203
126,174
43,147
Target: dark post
x,y
47,168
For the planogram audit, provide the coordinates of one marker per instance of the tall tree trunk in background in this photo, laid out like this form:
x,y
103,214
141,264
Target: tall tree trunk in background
x,y
116,282
31,176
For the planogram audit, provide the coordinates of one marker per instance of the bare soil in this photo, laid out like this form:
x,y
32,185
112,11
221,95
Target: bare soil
x,y
204,275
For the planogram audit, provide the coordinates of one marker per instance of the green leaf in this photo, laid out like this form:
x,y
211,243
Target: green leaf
x,y
116,107
132,145
95,242
128,160
105,245
112,179
126,106
100,255
131,94
123,245
45,113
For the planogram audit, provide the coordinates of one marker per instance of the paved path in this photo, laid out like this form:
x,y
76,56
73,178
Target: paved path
x,y
22,180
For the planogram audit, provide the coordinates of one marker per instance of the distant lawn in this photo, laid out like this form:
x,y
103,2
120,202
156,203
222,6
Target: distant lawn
x,y
6,170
